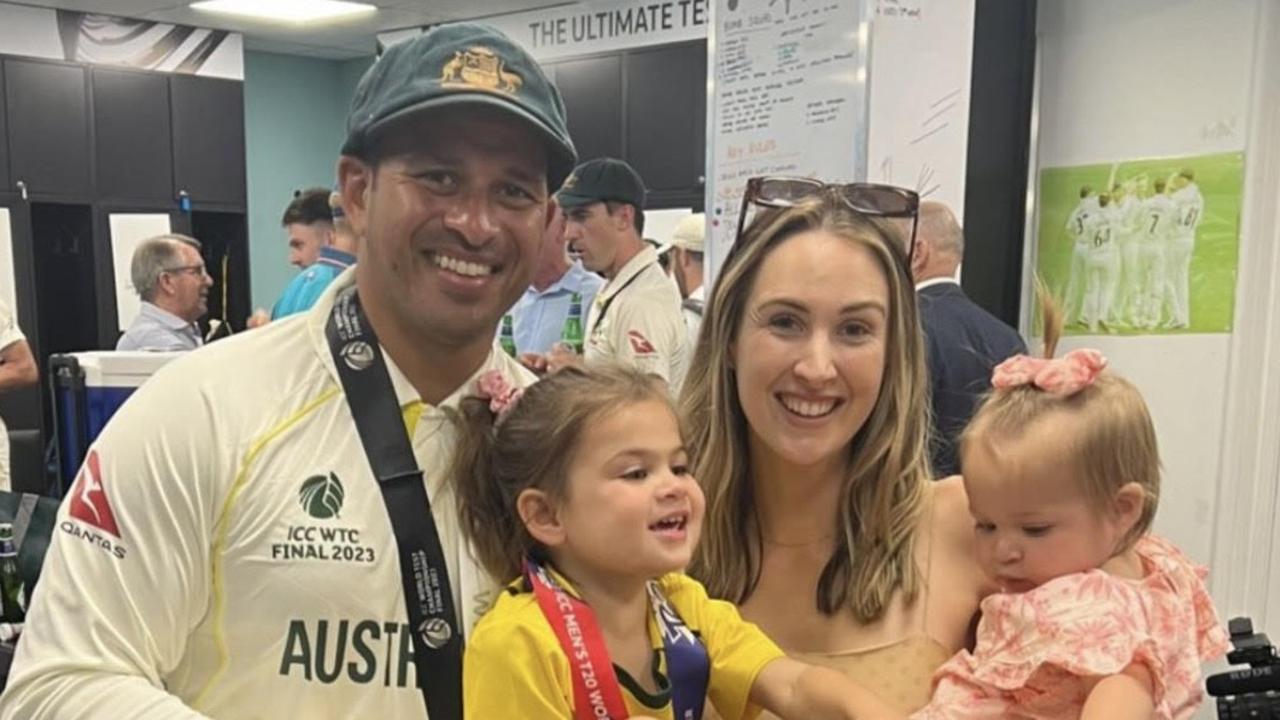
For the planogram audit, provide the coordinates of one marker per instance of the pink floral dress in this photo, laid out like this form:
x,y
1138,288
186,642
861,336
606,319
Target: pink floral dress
x,y
1038,651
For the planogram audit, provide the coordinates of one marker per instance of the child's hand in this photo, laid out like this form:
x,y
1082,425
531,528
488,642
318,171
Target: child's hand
x,y
535,362
1127,694
792,689
257,319
561,357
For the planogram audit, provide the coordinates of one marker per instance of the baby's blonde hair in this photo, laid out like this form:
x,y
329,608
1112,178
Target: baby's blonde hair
x,y
1106,431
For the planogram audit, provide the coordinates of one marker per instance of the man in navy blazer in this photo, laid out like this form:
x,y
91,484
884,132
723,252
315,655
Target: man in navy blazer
x,y
965,342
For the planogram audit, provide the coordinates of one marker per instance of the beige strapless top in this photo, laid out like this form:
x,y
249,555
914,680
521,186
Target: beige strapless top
x,y
900,673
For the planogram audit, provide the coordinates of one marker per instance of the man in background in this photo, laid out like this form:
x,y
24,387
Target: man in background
x,y
686,265
308,223
965,342
539,316
635,318
17,369
301,292
170,278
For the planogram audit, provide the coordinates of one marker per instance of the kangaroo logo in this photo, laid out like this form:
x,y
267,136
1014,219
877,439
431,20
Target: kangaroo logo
x,y
89,498
479,68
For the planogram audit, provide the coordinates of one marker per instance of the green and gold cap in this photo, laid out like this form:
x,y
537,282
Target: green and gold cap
x,y
458,64
600,180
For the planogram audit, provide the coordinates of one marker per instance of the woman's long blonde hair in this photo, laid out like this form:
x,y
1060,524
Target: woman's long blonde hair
x,y
882,495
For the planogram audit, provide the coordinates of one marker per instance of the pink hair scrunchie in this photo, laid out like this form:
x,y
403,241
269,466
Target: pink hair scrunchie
x,y
1060,377
502,396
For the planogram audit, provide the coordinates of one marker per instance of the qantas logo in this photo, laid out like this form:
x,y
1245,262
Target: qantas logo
x,y
89,500
640,344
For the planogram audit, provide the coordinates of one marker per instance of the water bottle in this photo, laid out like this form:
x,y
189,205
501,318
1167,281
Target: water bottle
x,y
507,338
572,333
13,606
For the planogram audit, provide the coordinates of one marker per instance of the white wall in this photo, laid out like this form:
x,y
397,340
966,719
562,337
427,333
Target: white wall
x,y
1158,78
1247,546
918,111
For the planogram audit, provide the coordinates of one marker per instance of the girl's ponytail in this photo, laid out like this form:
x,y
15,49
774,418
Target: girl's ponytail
x,y
510,441
487,521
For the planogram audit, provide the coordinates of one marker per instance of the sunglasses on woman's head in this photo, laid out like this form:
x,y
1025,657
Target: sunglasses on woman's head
x,y
871,199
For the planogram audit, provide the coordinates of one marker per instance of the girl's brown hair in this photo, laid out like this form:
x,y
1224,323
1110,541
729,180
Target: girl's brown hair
x,y
532,446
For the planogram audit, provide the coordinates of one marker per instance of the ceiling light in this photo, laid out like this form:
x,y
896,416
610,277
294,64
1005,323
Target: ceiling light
x,y
297,11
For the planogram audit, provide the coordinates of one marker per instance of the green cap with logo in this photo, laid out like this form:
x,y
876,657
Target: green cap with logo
x,y
602,179
453,65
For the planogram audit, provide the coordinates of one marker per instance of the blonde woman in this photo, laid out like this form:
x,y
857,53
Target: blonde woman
x,y
806,405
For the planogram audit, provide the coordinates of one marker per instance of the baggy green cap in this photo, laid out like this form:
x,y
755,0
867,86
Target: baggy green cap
x,y
599,180
458,64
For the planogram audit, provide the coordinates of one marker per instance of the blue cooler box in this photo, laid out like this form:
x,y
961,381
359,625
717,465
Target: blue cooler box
x,y
88,388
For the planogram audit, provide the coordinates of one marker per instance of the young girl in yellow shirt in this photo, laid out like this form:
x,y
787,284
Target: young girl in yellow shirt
x,y
580,489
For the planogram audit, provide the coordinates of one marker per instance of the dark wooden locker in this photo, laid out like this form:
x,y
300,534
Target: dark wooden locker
x,y
592,90
48,116
666,120
208,138
133,135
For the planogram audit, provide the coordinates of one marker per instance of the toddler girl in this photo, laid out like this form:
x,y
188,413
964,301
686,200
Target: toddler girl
x,y
580,489
1096,617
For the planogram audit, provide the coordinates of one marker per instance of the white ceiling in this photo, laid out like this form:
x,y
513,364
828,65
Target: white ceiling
x,y
333,39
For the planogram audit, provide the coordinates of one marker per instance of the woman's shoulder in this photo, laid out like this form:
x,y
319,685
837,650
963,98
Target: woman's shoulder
x,y
948,509
950,557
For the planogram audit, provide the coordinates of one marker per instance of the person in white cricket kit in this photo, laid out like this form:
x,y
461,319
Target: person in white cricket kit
x,y
1074,300
228,550
1102,264
1189,206
1159,216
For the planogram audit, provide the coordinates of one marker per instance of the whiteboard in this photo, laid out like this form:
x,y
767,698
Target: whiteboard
x,y
8,292
787,97
921,67
128,230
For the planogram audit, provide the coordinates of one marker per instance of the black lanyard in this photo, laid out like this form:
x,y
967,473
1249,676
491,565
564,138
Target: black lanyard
x,y
437,641
604,306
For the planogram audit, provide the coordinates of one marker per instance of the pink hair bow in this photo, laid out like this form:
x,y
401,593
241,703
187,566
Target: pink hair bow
x,y
1062,377
494,387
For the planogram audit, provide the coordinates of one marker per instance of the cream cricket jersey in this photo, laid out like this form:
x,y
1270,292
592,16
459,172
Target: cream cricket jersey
x,y
225,551
1189,207
641,324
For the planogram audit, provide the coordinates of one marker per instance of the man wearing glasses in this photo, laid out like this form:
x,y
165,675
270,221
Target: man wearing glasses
x,y
170,277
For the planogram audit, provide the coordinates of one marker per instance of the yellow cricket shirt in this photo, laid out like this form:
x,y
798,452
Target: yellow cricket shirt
x,y
514,666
